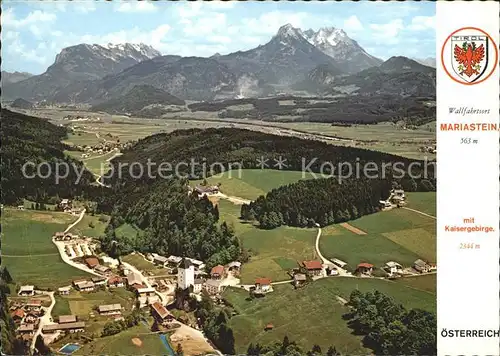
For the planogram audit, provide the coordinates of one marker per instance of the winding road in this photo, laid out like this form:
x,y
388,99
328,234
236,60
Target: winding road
x,y
61,247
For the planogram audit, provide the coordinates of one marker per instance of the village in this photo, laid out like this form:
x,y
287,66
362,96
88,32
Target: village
x,y
156,292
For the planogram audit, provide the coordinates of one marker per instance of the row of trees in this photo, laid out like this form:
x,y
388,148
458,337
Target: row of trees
x,y
288,348
391,329
317,201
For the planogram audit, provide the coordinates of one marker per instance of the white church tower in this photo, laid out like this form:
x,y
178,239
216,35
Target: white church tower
x,y
185,274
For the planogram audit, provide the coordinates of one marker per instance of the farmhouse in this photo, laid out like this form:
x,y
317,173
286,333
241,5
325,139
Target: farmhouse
x,y
174,260
99,281
17,315
115,282
197,263
65,204
145,292
102,269
63,290
314,268
110,309
364,268
32,317
63,319
331,270
421,266
78,326
92,262
399,193
262,285
161,314
299,279
27,291
212,189
217,272
234,266
160,260
213,286
133,278
198,285
84,286
393,267
24,329
33,305
58,236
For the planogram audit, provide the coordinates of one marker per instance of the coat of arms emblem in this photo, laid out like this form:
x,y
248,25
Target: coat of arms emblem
x,y
470,56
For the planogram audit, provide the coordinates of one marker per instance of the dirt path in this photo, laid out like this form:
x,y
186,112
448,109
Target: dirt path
x,y
419,212
45,319
352,229
232,199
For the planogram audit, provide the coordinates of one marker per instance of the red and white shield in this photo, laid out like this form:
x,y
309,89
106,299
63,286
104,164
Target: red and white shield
x,y
469,57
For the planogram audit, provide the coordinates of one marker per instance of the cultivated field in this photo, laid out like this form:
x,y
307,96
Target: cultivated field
x,y
396,235
427,282
28,251
122,344
273,252
252,183
312,315
385,137
139,262
81,304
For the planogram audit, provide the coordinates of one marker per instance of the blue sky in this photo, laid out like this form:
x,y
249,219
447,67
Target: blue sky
x,y
34,32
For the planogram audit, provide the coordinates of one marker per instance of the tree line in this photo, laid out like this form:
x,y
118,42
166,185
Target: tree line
x,y
389,328
288,348
317,201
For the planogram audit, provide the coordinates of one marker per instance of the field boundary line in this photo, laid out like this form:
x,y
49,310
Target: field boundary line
x,y
30,255
420,212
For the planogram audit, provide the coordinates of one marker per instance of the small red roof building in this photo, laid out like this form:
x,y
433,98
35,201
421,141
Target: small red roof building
x,y
92,262
19,313
263,281
312,265
365,265
269,326
218,270
160,310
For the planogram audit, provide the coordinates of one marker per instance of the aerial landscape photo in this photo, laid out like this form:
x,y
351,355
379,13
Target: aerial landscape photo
x,y
218,178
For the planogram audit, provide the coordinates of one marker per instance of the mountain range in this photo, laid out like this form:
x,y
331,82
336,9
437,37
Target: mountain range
x,y
315,61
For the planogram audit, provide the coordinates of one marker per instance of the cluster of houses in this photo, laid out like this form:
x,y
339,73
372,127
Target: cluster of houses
x,y
397,198
428,149
26,314
66,205
189,275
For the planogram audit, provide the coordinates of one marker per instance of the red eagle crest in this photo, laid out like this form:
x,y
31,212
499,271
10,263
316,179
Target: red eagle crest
x,y
469,56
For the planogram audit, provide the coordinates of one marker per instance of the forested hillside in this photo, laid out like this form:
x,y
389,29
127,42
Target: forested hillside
x,y
317,201
247,148
29,139
171,222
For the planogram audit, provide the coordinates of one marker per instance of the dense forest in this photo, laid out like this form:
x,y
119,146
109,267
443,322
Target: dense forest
x,y
247,148
29,139
346,109
171,221
317,201
389,328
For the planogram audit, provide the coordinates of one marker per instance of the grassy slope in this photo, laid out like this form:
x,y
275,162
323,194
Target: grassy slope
x,y
424,202
251,183
30,233
396,235
312,315
273,251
